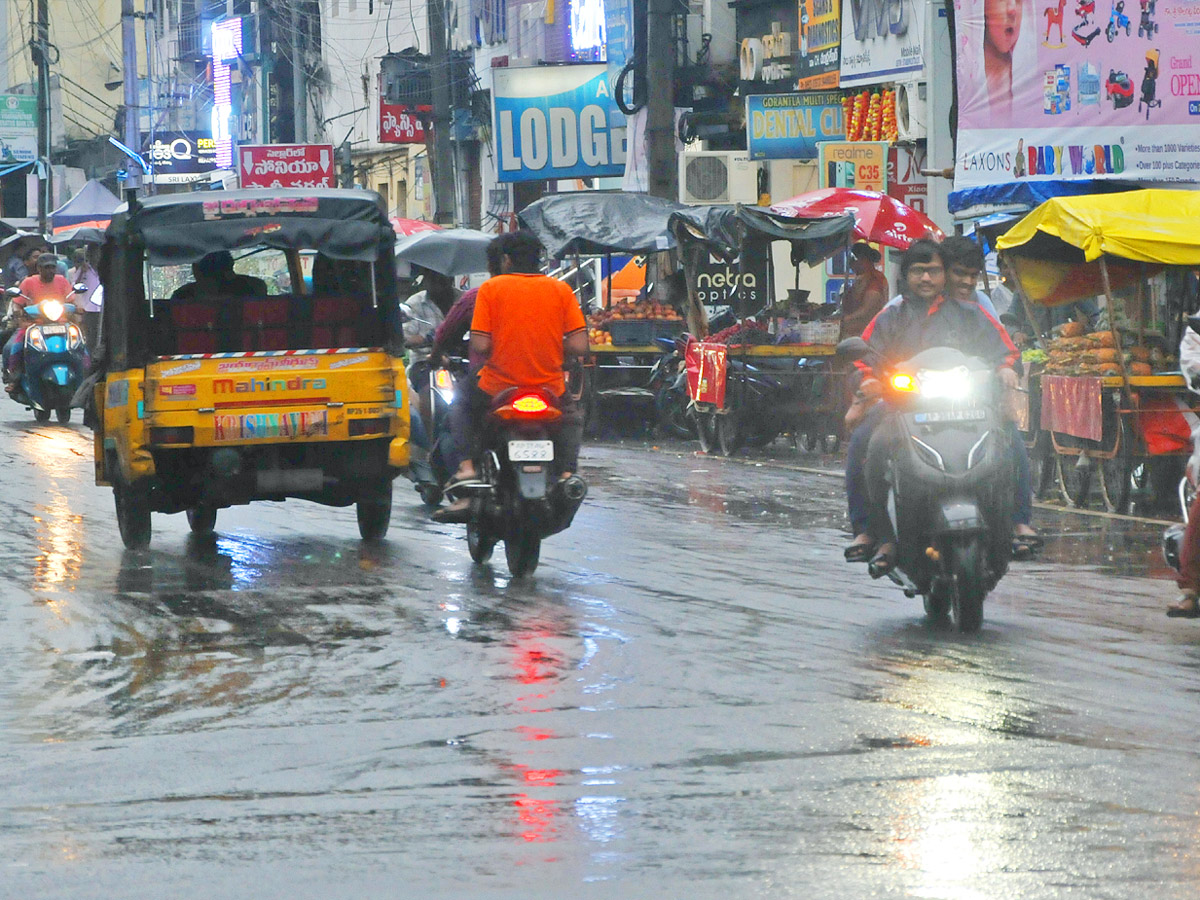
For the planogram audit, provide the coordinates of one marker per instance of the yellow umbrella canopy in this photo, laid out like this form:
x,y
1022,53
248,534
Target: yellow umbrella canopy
x,y
1056,248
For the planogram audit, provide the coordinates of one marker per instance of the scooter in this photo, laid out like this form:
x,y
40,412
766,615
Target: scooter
x,y
521,498
951,480
55,357
668,381
1116,21
429,468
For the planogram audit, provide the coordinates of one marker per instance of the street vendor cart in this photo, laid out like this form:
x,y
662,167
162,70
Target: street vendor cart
x,y
747,384
622,329
1111,401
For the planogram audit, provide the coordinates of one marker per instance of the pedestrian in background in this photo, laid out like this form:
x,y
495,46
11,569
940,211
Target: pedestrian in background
x,y
85,272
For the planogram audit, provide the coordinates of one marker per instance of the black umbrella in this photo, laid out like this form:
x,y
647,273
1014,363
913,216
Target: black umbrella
x,y
450,251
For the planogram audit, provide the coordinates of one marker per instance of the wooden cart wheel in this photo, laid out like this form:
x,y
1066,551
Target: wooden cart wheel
x,y
1074,481
1041,465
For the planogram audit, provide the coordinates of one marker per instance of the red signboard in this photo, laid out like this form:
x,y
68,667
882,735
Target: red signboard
x,y
401,124
286,165
706,364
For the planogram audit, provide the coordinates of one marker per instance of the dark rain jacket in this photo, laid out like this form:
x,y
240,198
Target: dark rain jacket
x,y
902,331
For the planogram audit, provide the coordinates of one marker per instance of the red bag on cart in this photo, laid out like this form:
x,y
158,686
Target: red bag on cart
x,y
1166,424
706,365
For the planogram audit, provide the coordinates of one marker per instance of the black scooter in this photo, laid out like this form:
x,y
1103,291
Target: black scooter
x,y
951,480
668,381
521,499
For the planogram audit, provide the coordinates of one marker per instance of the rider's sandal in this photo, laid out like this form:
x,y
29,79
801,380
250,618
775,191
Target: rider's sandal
x,y
882,562
1187,607
856,553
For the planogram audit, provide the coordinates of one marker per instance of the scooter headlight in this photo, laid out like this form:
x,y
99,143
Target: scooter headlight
x,y
53,310
74,336
34,338
945,384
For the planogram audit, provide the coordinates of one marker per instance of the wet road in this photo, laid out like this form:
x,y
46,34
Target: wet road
x,y
694,697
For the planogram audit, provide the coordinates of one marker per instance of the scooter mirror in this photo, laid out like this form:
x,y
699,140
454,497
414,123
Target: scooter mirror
x,y
852,348
13,291
79,287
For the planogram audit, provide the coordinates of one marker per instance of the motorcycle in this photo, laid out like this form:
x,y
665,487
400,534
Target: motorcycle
x,y
521,499
668,381
55,357
951,480
429,469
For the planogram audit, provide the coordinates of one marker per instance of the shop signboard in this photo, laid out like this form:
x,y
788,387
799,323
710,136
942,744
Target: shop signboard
x,y
850,164
788,126
556,122
180,157
904,179
286,166
882,40
1080,91
400,124
819,53
18,128
717,283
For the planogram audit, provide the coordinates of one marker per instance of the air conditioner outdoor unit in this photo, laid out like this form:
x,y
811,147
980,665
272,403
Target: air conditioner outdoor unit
x,y
717,176
910,111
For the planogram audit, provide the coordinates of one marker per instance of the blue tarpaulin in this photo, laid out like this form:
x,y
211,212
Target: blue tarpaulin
x,y
1023,196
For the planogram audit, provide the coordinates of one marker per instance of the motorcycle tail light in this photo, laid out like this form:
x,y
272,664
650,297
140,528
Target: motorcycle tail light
x,y
904,383
528,407
74,336
530,404
36,340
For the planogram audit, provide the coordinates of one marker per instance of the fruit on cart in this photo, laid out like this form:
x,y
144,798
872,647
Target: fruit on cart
x,y
597,337
634,309
748,331
1102,339
1035,357
1070,329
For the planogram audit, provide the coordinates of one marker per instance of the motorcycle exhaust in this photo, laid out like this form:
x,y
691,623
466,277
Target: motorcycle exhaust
x,y
574,489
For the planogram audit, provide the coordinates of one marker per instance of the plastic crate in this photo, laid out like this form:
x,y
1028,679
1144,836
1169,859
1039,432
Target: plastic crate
x,y
820,332
641,332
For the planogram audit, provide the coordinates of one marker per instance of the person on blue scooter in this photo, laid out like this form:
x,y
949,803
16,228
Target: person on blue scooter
x,y
46,284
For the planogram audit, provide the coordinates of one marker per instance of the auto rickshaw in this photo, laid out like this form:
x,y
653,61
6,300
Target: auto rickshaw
x,y
282,378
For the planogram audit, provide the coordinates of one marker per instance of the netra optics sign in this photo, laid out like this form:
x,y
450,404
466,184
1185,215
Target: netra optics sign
x,y
556,122
286,165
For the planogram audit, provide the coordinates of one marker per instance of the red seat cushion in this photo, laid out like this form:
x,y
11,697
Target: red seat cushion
x,y
193,315
195,342
272,311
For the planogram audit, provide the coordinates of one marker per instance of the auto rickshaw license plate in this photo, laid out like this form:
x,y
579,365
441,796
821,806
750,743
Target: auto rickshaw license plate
x,y
530,451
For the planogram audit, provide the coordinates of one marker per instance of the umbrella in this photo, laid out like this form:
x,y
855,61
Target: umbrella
x,y
878,218
412,226
91,233
451,251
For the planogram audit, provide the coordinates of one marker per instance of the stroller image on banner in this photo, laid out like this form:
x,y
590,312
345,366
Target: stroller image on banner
x,y
1149,86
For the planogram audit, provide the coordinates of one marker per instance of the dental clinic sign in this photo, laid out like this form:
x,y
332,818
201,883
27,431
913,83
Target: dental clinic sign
x,y
556,122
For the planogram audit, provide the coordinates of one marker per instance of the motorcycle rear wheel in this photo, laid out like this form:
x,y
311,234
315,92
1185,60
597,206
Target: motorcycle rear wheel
x,y
730,433
63,414
133,516
41,415
522,550
970,587
672,413
705,430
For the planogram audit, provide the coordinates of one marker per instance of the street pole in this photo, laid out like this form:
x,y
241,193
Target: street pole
x,y
133,178
660,100
299,100
441,159
148,27
41,46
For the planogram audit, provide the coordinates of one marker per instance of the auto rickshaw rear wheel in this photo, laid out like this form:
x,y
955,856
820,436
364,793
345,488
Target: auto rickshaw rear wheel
x,y
375,514
133,516
41,415
202,519
63,414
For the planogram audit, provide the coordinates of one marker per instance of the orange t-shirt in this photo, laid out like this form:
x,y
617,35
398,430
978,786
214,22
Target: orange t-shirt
x,y
37,290
527,318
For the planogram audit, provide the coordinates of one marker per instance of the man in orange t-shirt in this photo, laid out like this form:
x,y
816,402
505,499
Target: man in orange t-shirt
x,y
526,326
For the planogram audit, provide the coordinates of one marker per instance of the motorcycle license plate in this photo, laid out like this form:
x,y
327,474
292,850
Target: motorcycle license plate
x,y
531,451
950,415
54,329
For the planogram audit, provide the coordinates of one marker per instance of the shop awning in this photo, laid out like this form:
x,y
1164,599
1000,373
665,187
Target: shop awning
x,y
1023,196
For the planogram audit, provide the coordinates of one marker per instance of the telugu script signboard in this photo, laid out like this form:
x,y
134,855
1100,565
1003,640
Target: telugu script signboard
x,y
286,165
18,128
402,124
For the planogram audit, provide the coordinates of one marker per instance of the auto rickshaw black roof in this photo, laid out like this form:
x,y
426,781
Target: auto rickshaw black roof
x,y
177,229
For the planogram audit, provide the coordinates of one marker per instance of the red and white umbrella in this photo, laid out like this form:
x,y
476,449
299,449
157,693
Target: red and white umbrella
x,y
412,226
878,218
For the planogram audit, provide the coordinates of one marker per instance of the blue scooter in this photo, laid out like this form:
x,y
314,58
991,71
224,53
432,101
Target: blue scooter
x,y
56,357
